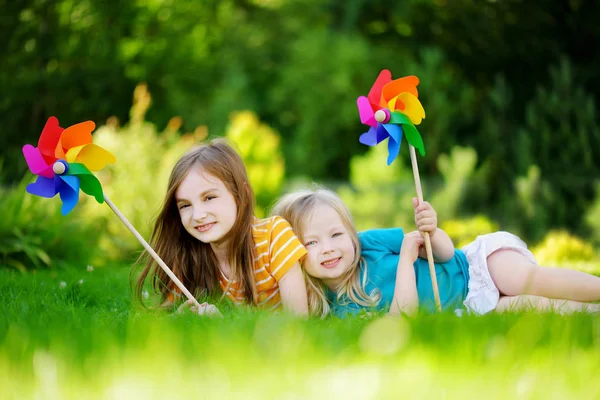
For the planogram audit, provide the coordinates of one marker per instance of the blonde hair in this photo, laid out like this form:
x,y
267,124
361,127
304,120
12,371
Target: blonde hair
x,y
297,208
191,260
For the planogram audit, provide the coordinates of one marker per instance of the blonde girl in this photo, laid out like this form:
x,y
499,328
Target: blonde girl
x,y
207,234
387,270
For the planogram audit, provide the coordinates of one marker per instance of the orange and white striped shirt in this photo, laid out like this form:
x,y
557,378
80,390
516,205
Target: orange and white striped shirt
x,y
277,250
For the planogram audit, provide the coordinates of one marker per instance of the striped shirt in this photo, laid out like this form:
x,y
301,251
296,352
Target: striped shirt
x,y
277,250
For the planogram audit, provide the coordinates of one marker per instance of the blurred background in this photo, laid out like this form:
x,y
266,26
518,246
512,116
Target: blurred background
x,y
509,88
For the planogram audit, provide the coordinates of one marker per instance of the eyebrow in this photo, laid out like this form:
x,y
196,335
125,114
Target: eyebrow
x,y
179,199
332,229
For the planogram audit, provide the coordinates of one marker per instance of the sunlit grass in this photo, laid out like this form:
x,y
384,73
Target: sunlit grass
x,y
83,339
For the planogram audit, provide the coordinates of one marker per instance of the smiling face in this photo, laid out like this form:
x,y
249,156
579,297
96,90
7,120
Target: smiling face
x,y
207,209
331,252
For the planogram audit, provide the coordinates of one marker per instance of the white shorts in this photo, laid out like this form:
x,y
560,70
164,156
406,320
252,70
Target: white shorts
x,y
483,294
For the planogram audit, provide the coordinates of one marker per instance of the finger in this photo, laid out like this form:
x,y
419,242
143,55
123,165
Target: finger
x,y
426,221
424,206
415,202
425,213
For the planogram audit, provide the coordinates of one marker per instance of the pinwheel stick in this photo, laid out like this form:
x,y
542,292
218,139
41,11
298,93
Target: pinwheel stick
x,y
415,168
151,251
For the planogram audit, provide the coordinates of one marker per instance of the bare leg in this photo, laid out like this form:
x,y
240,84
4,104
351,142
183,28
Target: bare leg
x,y
514,275
544,304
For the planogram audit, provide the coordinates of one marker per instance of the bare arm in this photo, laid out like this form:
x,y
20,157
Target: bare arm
x,y
441,246
426,221
406,299
293,291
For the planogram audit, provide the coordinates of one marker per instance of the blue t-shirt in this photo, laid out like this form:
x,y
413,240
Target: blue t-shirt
x,y
381,251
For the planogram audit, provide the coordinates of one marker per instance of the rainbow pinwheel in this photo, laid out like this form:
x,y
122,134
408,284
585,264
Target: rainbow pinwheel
x,y
64,161
392,109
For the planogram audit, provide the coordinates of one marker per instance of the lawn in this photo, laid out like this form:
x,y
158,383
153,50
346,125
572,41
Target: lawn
x,y
73,334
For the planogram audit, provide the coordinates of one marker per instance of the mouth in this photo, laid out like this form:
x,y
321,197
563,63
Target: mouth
x,y
204,227
331,263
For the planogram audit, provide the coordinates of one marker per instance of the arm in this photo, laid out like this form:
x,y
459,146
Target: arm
x,y
441,244
293,291
406,299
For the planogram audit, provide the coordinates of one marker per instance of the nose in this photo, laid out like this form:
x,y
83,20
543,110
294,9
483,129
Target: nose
x,y
199,213
327,247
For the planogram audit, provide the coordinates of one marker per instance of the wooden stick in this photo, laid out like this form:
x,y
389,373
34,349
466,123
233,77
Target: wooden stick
x,y
150,250
415,168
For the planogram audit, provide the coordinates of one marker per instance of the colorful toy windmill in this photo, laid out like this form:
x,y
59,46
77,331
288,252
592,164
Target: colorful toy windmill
x,y
64,161
392,109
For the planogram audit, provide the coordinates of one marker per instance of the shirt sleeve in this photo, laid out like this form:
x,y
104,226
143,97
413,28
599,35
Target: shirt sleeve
x,y
285,248
382,239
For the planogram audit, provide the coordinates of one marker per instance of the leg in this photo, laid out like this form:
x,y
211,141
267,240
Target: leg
x,y
514,275
544,304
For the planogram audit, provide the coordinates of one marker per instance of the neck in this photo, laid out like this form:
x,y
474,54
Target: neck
x,y
222,254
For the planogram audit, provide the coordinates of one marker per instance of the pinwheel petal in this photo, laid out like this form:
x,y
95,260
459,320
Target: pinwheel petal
x,y
43,187
36,162
399,118
49,139
385,77
69,193
89,184
413,137
365,110
374,136
75,135
394,142
91,155
397,86
412,107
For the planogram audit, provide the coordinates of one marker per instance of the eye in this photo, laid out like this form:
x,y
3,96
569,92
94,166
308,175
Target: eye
x,y
209,198
337,234
182,206
310,243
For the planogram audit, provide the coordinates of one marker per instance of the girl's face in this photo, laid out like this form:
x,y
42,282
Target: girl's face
x,y
329,245
207,209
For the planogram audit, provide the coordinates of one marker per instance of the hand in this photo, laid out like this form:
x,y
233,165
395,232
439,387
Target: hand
x,y
205,309
410,246
425,217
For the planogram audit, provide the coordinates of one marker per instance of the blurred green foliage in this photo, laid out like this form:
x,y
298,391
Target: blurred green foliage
x,y
512,81
259,147
34,234
560,247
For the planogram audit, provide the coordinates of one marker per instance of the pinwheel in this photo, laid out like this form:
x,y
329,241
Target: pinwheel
x,y
63,162
392,109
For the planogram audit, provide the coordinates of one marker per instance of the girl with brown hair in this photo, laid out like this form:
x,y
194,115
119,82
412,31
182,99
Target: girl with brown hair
x,y
208,234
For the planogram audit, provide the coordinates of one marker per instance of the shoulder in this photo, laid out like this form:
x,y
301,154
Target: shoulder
x,y
266,226
380,236
277,246
266,229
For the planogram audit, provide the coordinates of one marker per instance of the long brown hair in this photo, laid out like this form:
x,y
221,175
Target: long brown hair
x,y
191,260
297,208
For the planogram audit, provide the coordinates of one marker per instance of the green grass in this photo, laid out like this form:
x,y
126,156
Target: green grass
x,y
85,340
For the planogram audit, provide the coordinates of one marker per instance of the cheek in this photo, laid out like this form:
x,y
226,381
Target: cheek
x,y
311,261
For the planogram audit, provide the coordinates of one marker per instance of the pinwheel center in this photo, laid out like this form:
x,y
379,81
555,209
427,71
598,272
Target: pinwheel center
x,y
382,115
60,167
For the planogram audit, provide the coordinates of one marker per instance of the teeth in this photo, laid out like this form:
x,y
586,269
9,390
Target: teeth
x,y
330,262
